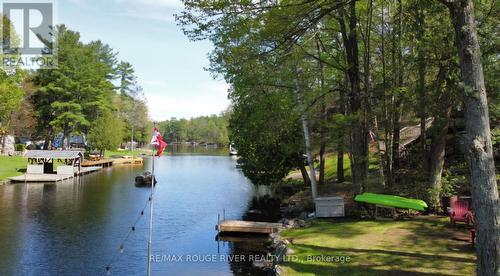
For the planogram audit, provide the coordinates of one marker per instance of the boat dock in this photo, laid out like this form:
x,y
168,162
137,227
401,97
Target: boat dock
x,y
98,163
240,226
129,160
51,177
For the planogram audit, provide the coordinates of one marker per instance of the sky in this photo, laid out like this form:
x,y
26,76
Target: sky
x,y
169,67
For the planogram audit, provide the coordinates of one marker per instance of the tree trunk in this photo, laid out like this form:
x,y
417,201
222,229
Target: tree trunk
x,y
380,158
438,144
422,100
305,128
305,175
387,142
322,163
396,135
324,117
437,155
358,132
65,142
341,134
340,164
398,78
3,144
479,153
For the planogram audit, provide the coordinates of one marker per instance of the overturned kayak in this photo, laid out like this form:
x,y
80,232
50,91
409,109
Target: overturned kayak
x,y
144,180
392,201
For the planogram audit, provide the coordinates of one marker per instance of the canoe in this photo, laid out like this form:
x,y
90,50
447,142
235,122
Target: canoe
x,y
392,201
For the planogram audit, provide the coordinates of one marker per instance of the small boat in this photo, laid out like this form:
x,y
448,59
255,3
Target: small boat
x,y
144,180
392,201
232,150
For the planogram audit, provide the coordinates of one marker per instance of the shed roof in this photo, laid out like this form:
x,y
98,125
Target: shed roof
x,y
57,154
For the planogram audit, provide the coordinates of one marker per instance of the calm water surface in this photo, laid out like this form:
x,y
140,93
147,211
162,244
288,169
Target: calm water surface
x,y
76,227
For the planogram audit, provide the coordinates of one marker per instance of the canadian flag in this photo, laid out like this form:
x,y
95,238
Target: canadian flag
x,y
157,142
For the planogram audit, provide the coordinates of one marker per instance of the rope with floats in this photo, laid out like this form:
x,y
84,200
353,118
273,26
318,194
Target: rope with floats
x,y
151,214
116,257
159,144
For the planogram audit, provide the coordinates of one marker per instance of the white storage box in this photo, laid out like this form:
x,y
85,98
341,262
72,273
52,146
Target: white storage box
x,y
329,207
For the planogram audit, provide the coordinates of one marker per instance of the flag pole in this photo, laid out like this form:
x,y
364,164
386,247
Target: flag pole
x,y
151,214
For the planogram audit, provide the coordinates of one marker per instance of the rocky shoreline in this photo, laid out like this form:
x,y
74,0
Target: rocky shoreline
x,y
295,211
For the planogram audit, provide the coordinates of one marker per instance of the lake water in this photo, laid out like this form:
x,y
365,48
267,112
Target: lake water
x,y
76,227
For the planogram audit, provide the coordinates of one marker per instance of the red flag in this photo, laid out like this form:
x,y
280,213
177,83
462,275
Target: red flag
x,y
157,142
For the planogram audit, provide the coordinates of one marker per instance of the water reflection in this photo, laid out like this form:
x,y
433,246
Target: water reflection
x,y
75,227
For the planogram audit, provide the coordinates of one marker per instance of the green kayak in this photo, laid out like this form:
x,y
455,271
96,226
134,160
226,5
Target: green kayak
x,y
392,201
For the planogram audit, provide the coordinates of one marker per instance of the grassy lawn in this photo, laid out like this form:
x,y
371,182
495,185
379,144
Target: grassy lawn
x,y
331,167
416,246
10,166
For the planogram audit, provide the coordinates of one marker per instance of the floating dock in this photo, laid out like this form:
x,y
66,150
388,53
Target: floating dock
x,y
41,178
51,177
240,226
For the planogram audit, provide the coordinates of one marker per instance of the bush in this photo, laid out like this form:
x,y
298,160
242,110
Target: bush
x,y
20,147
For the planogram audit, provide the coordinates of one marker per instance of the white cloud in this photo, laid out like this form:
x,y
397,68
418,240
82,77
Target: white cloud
x,y
165,104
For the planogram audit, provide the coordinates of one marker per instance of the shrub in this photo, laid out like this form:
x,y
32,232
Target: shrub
x,y
20,147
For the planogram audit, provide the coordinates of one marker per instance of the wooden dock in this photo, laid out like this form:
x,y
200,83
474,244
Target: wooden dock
x,y
51,177
98,163
128,160
239,226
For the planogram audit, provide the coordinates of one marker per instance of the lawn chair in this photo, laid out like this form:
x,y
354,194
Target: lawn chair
x,y
460,212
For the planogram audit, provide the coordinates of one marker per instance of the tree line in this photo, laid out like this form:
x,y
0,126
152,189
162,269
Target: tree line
x,y
205,129
309,77
90,93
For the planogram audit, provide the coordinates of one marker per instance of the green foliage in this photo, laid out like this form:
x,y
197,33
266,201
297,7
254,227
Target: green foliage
x,y
73,96
68,116
265,130
125,72
11,96
495,137
11,93
106,133
134,112
207,129
70,97
455,180
19,147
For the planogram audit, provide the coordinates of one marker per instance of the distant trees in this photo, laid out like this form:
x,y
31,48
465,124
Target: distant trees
x,y
207,129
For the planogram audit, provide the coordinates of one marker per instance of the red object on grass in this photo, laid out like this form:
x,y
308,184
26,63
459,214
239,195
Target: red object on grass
x,y
460,212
